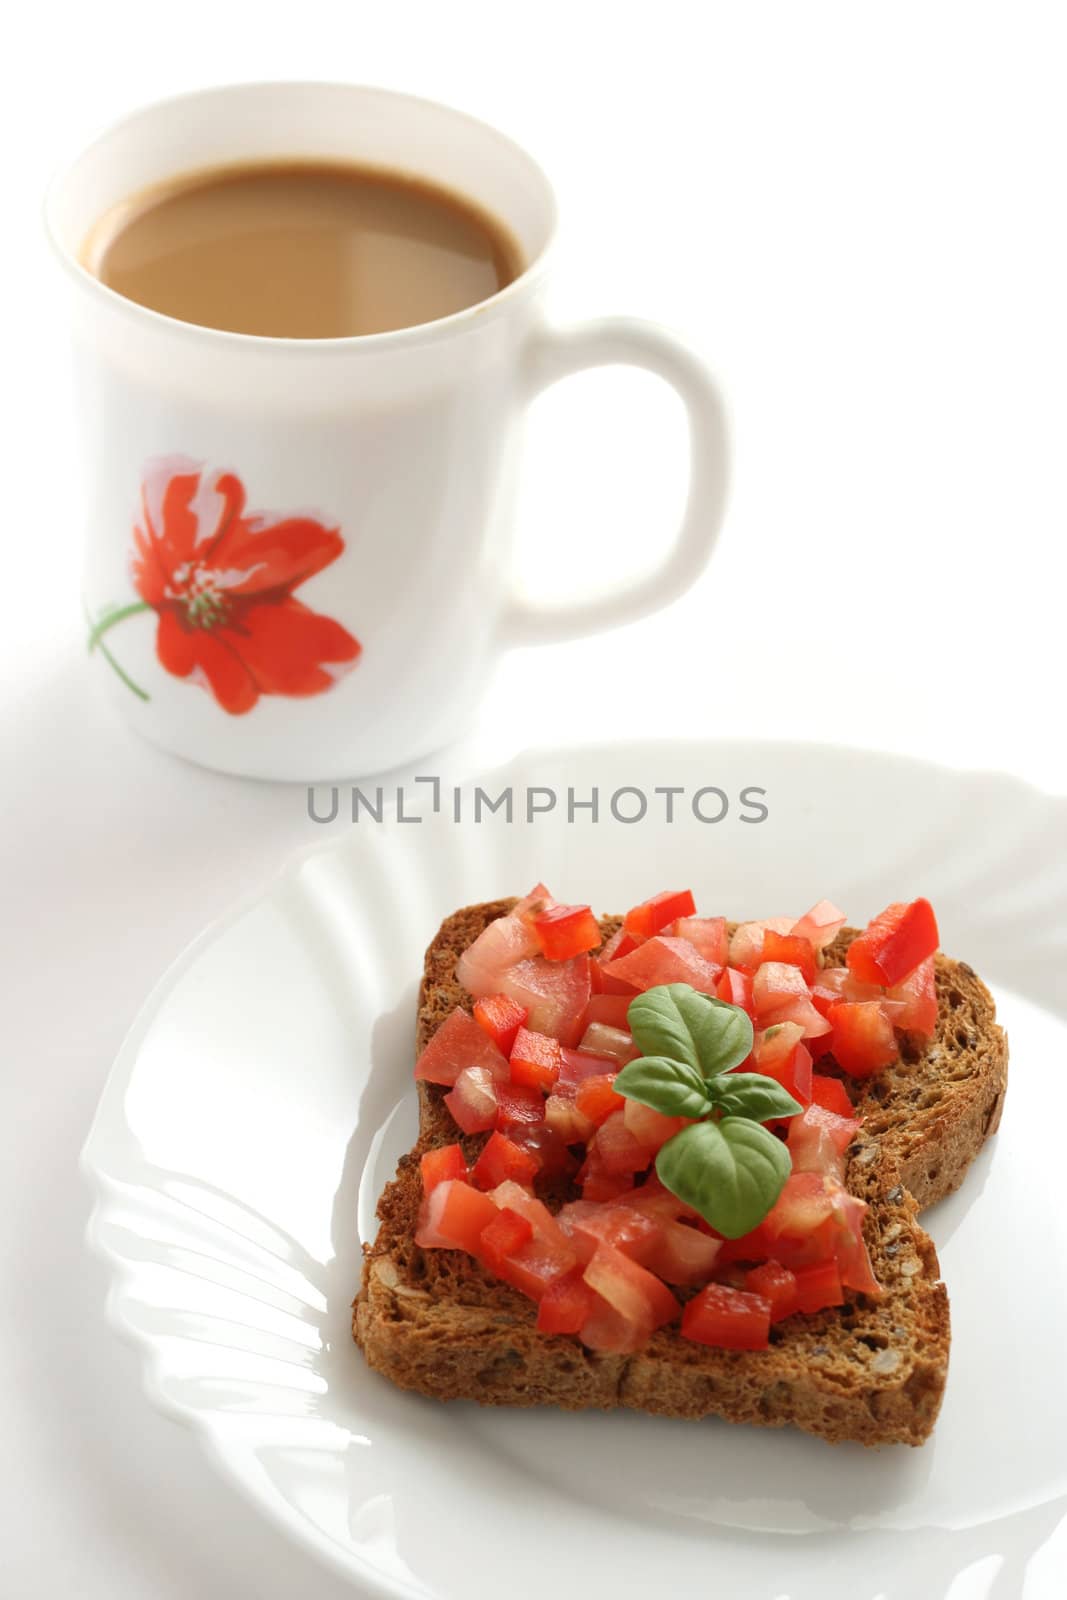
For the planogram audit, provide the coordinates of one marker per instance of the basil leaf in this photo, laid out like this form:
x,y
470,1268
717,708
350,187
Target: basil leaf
x,y
731,1171
673,1087
676,1021
752,1094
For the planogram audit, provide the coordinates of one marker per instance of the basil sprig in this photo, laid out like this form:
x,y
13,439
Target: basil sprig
x,y
727,1166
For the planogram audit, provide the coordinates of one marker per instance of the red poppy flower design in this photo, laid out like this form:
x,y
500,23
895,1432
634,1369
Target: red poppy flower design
x,y
221,581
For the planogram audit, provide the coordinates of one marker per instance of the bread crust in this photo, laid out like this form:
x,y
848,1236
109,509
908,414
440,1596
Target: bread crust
x,y
873,1371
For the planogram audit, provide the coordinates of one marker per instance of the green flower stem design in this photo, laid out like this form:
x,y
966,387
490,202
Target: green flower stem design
x,y
99,628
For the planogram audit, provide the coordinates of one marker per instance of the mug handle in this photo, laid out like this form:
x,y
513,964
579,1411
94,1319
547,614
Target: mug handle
x,y
556,353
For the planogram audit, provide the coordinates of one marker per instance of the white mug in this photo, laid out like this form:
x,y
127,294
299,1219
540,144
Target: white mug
x,y
299,549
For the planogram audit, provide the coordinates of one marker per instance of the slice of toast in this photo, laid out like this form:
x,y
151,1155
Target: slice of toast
x,y
872,1370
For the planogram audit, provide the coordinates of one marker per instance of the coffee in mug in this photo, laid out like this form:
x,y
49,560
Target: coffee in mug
x,y
299,249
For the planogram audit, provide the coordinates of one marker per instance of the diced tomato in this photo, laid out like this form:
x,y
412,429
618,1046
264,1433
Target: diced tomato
x,y
917,995
516,1103
473,1101
501,1018
618,1152
566,1304
736,988
611,1009
746,941
817,1286
863,1038
829,988
597,1183
539,899
706,934
596,1098
850,1248
776,984
452,1217
577,1065
818,1141
682,1255
555,994
620,944
564,1118
801,1011
776,1284
781,1054
547,1148
535,1060
821,925
664,960
731,1319
544,1257
657,1200
607,1332
601,1040
894,943
459,1042
635,1293
651,916
800,1209
501,1159
502,1237
588,1224
831,1094
791,949
545,1226
566,931
441,1165
651,1128
498,947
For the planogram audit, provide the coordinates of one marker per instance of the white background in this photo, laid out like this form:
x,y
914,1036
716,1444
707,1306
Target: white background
x,y
857,212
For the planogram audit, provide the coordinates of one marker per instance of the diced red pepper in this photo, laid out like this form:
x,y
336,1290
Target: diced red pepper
x,y
792,950
501,1017
620,944
535,1060
731,1319
652,915
565,931
438,1166
776,1284
894,943
501,1160
504,1235
565,1304
596,1098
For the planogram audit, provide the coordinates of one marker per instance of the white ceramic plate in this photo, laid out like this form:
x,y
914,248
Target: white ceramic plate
x,y
263,1096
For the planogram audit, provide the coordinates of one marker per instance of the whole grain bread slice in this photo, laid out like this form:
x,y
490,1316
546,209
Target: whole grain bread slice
x,y
872,1370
